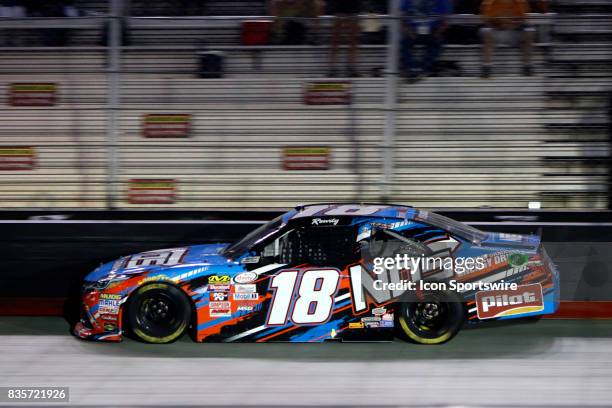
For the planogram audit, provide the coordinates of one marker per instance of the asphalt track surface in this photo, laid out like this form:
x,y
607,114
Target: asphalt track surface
x,y
544,363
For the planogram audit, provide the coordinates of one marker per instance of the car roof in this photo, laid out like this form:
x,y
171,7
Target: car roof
x,y
367,210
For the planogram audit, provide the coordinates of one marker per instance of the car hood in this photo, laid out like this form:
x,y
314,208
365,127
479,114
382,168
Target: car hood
x,y
195,255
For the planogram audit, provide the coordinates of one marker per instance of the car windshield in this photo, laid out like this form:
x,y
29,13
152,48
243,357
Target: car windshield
x,y
254,237
452,226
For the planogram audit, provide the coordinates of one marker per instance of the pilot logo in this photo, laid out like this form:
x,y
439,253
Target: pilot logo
x,y
500,303
325,221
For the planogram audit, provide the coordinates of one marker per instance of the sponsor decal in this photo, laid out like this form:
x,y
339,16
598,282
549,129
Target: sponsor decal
x,y
517,259
109,327
155,278
32,94
110,296
219,279
306,158
366,230
161,257
219,288
166,126
14,158
499,259
355,325
220,313
245,308
327,93
387,317
219,296
245,277
379,311
500,303
152,191
250,288
220,309
108,307
393,225
221,305
83,331
246,296
386,323
325,221
371,325
510,237
371,319
250,260
112,318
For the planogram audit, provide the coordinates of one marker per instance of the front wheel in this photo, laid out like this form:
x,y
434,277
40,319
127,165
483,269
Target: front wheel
x,y
158,313
434,319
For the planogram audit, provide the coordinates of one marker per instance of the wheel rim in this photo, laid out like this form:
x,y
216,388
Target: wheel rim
x,y
157,315
428,319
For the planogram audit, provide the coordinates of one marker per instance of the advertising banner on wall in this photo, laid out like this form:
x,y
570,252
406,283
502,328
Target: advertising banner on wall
x,y
17,158
166,126
327,93
152,191
306,158
32,94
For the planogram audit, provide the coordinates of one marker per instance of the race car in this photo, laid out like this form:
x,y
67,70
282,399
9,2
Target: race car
x,y
324,272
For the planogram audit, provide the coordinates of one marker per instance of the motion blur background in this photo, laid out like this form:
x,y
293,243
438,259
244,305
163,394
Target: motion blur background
x,y
207,105
214,105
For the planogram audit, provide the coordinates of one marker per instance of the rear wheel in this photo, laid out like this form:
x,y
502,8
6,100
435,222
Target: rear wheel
x,y
434,319
158,313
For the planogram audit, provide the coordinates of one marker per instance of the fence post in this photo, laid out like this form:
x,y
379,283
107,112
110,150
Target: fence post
x,y
113,53
391,76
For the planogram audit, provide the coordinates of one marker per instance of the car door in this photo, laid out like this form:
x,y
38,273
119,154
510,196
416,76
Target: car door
x,y
308,295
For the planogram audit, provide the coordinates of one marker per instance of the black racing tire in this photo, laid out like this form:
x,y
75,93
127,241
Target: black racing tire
x,y
434,319
158,313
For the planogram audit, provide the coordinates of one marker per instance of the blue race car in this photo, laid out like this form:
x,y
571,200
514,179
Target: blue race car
x,y
322,272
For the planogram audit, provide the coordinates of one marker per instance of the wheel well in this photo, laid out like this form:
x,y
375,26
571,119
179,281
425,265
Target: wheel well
x,y
125,325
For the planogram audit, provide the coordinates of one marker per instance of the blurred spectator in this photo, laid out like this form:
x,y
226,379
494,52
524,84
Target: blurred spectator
x,y
290,26
345,32
424,23
52,37
373,28
11,9
506,22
